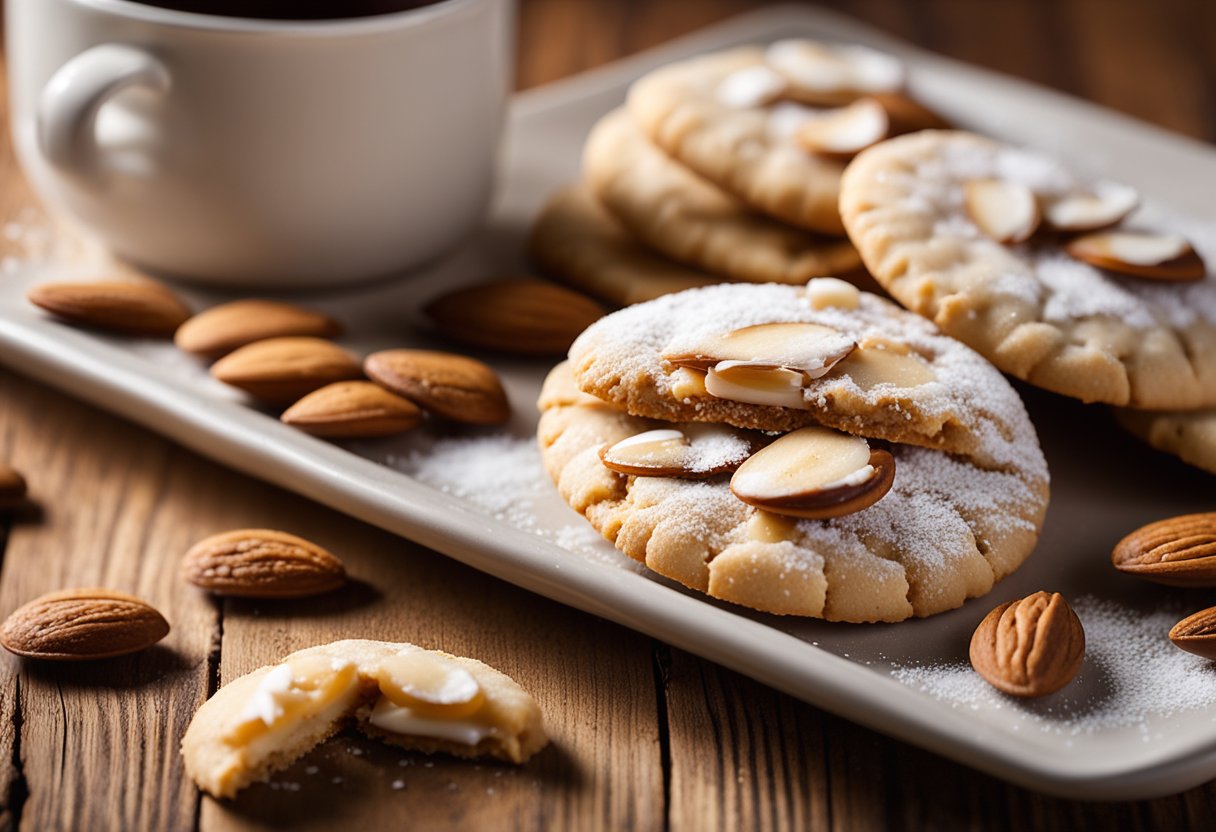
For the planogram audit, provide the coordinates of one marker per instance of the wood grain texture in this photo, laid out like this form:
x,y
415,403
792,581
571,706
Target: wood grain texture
x,y
645,737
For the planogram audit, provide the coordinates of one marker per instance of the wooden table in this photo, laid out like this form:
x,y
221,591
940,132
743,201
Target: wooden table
x,y
645,736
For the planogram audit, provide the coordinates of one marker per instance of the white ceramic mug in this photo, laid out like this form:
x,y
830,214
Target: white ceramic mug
x,y
280,153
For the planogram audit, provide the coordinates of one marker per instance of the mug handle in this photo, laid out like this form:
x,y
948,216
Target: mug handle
x,y
70,101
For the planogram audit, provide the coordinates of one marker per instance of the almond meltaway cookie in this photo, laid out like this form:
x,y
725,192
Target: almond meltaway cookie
x,y
773,125
1188,435
680,214
887,532
417,699
1015,255
577,242
777,358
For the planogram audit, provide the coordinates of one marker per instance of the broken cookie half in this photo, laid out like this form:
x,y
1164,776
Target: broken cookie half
x,y
405,696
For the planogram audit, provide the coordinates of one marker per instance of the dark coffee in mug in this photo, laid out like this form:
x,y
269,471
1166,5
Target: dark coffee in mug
x,y
291,9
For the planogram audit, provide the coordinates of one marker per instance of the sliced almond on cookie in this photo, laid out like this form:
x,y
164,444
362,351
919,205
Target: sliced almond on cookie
x,y
845,132
810,349
134,308
825,292
348,409
1005,211
692,452
1109,204
816,473
878,361
1167,257
756,383
821,73
282,370
753,86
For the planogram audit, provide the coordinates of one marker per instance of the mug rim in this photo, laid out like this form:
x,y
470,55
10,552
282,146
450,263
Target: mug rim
x,y
372,24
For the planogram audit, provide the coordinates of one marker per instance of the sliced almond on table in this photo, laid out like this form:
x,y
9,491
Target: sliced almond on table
x,y
1166,257
824,74
449,385
348,409
282,370
221,329
526,317
690,452
12,487
1108,204
845,132
262,563
753,86
1029,647
82,624
816,473
1177,551
1197,633
810,349
1005,211
134,308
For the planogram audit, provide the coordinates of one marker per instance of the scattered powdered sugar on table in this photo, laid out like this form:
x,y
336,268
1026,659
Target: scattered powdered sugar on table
x,y
503,476
1132,673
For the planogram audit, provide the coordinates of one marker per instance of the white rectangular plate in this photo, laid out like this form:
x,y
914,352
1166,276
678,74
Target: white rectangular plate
x,y
1103,483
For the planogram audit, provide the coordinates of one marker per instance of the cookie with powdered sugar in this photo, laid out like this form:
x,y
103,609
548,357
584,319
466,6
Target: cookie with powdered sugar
x,y
1188,435
689,500
689,219
778,358
577,242
1060,281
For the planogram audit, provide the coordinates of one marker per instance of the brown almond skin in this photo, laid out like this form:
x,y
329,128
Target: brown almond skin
x,y
350,409
523,317
1185,268
217,331
1197,633
283,370
824,505
1030,647
262,563
452,386
82,624
12,487
133,308
1177,551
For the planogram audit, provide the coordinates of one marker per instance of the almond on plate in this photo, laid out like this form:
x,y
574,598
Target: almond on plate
x,y
1146,254
348,409
81,624
1177,551
527,317
131,307
452,386
816,473
1197,633
221,329
12,486
1005,211
1029,647
262,563
282,370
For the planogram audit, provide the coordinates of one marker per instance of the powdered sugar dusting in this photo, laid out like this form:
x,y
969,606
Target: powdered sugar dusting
x,y
1131,676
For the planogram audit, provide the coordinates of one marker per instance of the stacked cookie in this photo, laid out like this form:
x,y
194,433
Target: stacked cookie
x,y
1075,285
810,450
726,167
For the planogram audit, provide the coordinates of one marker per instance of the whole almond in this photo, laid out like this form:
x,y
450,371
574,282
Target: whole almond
x,y
453,386
136,308
1177,551
527,317
221,329
80,624
282,370
1197,633
352,409
12,487
262,563
1029,647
